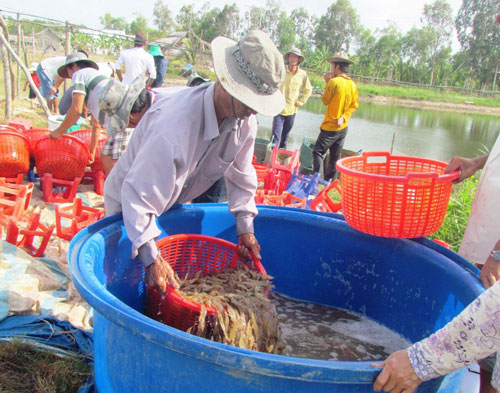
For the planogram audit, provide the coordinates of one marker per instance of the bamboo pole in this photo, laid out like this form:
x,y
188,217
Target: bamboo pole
x,y
8,64
27,73
18,74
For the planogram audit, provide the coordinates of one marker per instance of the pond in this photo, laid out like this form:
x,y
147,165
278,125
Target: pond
x,y
416,132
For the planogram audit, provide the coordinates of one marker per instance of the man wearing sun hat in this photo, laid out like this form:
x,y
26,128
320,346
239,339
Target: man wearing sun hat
x,y
90,87
187,141
297,89
341,97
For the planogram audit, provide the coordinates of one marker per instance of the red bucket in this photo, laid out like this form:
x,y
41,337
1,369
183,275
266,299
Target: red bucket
x,y
188,254
394,196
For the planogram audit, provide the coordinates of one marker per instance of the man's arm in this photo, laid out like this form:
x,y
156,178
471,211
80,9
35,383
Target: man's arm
x,y
94,138
71,117
58,82
119,75
490,272
306,91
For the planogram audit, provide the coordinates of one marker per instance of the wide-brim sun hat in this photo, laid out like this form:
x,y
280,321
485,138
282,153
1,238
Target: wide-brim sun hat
x,y
117,100
154,50
296,51
76,57
340,57
251,71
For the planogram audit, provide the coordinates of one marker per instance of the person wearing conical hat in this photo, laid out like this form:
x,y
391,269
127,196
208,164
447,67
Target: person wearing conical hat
x,y
187,141
296,89
341,98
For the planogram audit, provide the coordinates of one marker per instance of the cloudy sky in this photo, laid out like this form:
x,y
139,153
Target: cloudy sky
x,y
373,13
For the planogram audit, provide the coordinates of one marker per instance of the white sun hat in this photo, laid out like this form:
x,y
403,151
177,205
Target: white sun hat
x,y
251,71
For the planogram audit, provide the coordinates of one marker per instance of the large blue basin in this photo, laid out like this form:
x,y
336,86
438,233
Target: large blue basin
x,y
412,286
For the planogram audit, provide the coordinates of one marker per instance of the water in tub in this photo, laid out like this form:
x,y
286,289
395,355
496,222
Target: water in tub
x,y
319,332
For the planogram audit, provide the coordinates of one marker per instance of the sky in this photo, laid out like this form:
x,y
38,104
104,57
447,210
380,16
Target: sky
x,y
373,13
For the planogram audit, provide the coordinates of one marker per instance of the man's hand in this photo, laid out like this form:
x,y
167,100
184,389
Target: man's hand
x,y
52,91
340,121
248,243
298,103
159,274
327,76
466,166
56,134
398,374
490,272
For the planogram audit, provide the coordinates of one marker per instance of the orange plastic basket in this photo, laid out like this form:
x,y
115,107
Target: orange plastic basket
x,y
188,254
6,127
394,196
14,153
64,158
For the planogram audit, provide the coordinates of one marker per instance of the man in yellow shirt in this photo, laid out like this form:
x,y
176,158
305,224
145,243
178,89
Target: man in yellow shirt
x,y
296,81
341,96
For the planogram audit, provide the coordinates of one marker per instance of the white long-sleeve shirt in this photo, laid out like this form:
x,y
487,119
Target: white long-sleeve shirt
x,y
176,153
472,335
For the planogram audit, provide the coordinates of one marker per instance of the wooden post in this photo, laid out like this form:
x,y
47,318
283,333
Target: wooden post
x,y
18,81
8,64
8,87
26,72
33,44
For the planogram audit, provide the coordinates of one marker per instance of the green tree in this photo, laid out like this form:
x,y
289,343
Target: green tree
x,y
479,36
286,28
162,18
304,28
365,42
138,25
338,27
187,18
437,24
113,23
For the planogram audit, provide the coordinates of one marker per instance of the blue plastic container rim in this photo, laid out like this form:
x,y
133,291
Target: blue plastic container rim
x,y
117,312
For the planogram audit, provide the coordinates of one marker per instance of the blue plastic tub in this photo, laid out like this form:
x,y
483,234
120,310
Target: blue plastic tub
x,y
413,287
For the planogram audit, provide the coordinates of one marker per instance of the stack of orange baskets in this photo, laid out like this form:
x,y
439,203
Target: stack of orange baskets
x,y
187,254
64,158
35,134
394,196
14,154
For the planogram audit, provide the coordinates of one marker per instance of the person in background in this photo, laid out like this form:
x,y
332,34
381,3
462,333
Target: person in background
x,y
341,97
297,89
188,140
137,62
160,65
34,76
50,81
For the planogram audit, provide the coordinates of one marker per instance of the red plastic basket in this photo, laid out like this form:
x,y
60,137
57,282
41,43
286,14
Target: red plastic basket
x,y
64,158
394,196
14,153
8,128
34,135
85,135
188,254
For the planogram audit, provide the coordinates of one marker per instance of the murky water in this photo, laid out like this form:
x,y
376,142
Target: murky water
x,y
416,132
319,332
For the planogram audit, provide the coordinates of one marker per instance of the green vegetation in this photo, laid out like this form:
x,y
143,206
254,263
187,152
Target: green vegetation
x,y
370,90
25,369
457,215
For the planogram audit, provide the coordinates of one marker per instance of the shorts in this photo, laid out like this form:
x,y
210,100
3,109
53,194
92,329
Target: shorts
x,y
116,144
45,83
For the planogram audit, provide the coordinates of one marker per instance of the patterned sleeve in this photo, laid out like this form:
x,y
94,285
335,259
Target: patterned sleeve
x,y
472,335
78,83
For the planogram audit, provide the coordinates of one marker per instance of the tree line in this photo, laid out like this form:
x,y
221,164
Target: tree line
x,y
423,55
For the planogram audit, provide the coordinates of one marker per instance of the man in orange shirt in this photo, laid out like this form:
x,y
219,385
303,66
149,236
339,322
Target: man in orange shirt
x,y
341,96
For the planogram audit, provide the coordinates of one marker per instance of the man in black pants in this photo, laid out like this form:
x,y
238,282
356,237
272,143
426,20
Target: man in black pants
x,y
341,96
